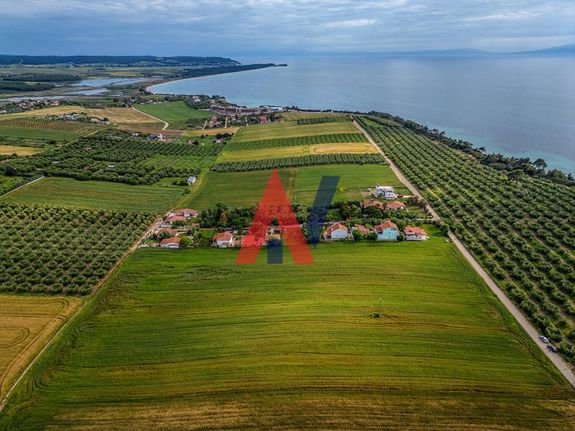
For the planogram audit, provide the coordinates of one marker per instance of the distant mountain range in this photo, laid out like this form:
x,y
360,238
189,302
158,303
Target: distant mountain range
x,y
555,51
111,60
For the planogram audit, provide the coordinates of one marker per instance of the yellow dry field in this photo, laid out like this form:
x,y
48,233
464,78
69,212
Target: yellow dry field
x,y
26,324
115,115
6,150
296,151
199,132
298,115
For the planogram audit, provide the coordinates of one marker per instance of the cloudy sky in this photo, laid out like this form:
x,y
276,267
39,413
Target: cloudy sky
x,y
279,27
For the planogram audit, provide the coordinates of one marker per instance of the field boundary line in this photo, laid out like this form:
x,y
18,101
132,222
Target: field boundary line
x,y
519,317
73,316
166,124
22,186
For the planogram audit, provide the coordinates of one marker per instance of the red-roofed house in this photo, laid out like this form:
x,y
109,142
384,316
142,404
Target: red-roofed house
x,y
170,220
395,205
414,233
335,231
223,239
372,203
387,231
173,242
362,229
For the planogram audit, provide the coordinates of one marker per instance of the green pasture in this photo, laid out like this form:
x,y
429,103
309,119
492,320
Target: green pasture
x,y
175,113
190,340
67,192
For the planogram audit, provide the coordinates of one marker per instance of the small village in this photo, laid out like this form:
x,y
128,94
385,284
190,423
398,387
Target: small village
x,y
181,228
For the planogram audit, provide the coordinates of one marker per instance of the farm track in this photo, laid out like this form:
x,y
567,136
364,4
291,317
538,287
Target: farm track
x,y
557,360
73,316
166,124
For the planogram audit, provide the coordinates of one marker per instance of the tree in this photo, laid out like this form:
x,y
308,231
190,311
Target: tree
x,y
540,164
185,242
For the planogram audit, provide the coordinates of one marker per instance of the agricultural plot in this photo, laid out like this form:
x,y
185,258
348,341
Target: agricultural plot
x,y
41,123
340,138
296,151
211,132
112,156
175,113
8,150
115,115
97,195
26,324
522,232
299,115
62,250
290,162
180,162
234,189
189,340
38,134
354,181
290,129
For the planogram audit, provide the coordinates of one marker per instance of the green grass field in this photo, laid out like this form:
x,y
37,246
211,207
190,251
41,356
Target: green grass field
x,y
175,113
245,189
236,189
189,340
289,129
68,192
41,134
353,183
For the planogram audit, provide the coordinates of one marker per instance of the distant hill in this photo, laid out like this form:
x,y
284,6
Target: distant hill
x,y
555,50
108,60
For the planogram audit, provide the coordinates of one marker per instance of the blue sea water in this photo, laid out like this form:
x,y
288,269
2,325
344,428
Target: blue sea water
x,y
521,106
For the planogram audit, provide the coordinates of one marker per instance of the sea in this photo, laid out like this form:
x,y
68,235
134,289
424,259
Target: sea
x,y
522,106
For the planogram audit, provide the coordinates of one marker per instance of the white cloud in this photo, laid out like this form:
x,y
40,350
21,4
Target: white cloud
x,y
350,23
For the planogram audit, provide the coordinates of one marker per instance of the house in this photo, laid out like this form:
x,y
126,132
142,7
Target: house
x,y
386,192
173,242
186,212
395,206
414,233
223,239
335,231
372,203
361,229
191,180
171,219
387,231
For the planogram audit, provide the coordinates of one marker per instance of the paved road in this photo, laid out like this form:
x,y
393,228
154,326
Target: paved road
x,y
555,358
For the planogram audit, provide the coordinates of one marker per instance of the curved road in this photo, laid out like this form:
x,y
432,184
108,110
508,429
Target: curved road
x,y
555,358
166,124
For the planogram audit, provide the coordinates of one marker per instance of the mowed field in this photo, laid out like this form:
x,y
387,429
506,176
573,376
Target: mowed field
x,y
175,113
189,340
26,324
115,115
289,129
297,150
245,189
6,150
67,192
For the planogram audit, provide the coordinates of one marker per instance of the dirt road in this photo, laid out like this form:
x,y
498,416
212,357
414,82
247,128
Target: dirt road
x,y
557,360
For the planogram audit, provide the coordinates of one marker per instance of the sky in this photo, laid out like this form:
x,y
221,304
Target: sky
x,y
279,27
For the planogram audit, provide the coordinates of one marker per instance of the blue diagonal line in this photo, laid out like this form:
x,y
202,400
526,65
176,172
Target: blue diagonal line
x,y
321,203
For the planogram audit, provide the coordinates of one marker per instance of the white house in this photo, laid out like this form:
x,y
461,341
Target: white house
x,y
223,240
414,233
387,231
191,180
335,231
186,212
173,242
386,192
